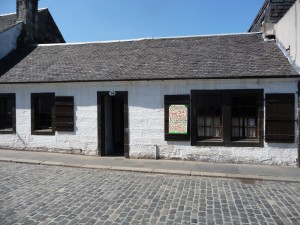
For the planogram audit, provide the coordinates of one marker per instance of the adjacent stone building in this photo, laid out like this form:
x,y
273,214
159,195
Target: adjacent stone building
x,y
29,25
270,13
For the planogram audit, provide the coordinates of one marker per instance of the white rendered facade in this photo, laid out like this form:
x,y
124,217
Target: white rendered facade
x,y
146,120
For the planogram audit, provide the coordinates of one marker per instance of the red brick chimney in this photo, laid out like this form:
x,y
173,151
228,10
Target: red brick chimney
x,y
27,12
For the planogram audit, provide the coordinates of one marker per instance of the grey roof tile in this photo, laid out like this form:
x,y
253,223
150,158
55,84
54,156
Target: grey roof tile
x,y
201,57
7,21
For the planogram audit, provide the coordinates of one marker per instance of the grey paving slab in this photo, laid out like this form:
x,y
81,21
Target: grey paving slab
x,y
52,163
39,194
92,166
279,173
72,165
29,161
173,172
132,169
2,159
208,174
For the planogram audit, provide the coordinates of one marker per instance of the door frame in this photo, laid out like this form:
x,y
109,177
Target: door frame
x,y
101,121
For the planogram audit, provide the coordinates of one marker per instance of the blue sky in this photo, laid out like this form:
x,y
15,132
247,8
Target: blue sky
x,y
100,20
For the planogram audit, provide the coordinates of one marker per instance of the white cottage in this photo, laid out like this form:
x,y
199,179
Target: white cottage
x,y
222,98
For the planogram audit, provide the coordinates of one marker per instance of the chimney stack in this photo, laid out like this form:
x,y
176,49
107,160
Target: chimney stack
x,y
27,12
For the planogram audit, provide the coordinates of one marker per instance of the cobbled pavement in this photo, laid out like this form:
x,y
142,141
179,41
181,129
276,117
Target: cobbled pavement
x,y
35,194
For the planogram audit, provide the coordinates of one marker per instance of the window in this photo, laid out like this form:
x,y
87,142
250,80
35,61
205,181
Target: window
x,y
50,114
209,117
280,118
7,113
42,109
244,118
227,117
177,117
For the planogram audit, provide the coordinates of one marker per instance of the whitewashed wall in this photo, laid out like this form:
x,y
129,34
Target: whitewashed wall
x,y
8,39
146,121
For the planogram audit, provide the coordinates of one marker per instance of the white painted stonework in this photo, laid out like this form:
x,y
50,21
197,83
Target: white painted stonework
x,y
8,39
146,120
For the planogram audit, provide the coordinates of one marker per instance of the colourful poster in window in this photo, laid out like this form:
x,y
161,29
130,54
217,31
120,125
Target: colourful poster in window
x,y
178,119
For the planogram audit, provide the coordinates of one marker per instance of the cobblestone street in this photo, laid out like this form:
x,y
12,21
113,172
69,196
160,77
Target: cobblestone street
x,y
35,194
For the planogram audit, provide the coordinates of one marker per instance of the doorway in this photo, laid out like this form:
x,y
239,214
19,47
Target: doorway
x,y
113,124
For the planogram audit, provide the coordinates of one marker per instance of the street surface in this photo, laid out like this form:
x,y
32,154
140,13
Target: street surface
x,y
37,194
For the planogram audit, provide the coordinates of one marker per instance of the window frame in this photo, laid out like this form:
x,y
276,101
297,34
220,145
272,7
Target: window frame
x,y
34,98
176,100
227,139
12,96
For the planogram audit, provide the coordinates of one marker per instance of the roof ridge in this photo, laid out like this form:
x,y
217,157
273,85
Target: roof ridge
x,y
8,14
147,38
14,13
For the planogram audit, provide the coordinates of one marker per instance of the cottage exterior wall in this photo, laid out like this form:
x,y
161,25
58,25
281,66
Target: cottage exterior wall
x,y
146,120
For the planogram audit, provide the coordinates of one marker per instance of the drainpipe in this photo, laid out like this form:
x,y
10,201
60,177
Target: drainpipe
x,y
298,124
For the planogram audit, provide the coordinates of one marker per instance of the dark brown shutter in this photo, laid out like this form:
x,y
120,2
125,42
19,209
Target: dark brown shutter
x,y
280,118
176,100
64,114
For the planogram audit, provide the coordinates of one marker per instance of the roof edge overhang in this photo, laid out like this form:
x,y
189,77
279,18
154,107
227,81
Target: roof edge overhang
x,y
162,79
146,38
9,27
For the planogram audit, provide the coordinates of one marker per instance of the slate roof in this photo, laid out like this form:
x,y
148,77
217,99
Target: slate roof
x,y
7,21
199,57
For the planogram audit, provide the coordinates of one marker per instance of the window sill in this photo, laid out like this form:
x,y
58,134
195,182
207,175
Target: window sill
x,y
211,142
7,131
43,132
246,143
238,143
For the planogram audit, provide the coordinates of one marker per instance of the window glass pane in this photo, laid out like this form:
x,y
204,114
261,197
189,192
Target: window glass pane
x,y
6,113
43,113
244,116
200,121
217,121
208,121
200,131
209,116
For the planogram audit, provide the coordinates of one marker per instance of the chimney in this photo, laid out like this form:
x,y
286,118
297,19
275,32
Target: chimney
x,y
27,12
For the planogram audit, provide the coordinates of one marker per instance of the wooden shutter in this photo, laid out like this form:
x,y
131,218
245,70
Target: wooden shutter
x,y
280,118
176,100
64,114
